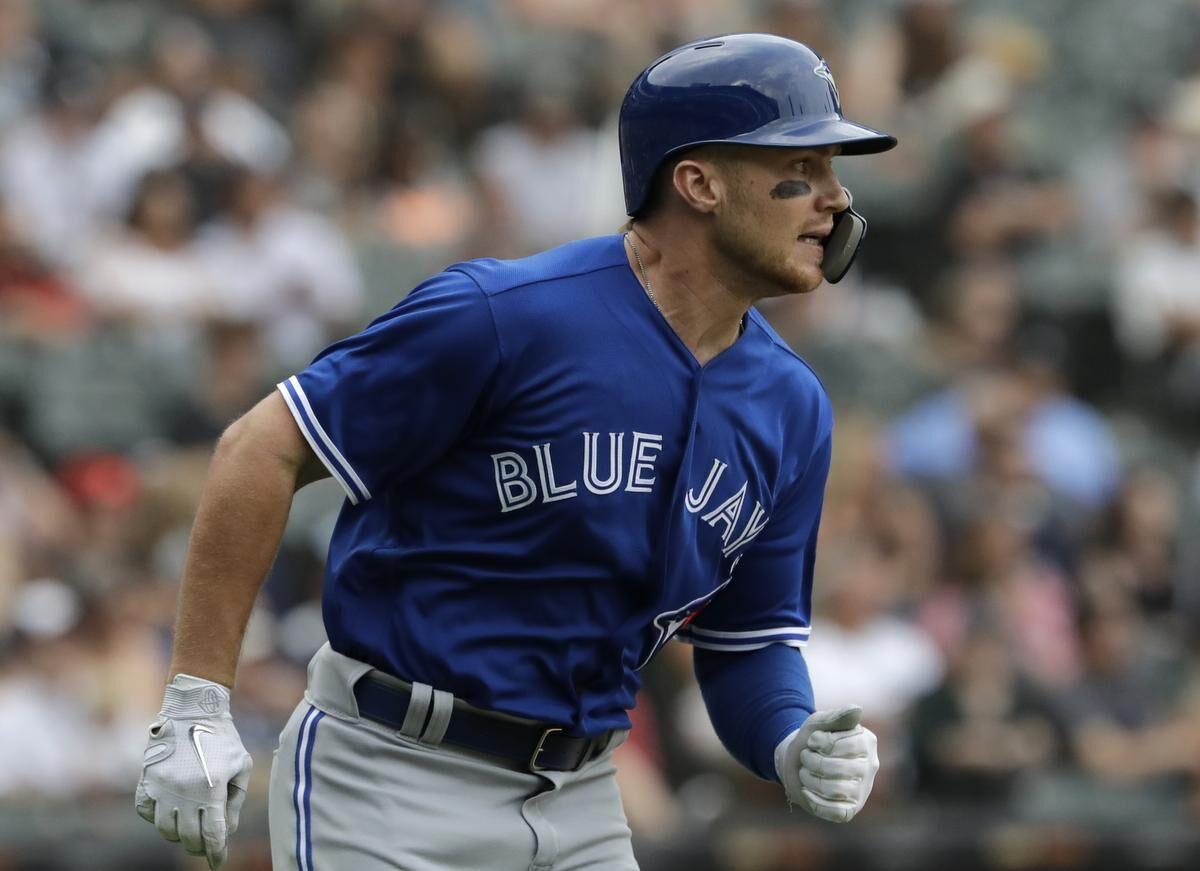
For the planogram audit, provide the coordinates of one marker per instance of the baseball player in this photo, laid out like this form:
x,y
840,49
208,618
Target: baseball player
x,y
552,466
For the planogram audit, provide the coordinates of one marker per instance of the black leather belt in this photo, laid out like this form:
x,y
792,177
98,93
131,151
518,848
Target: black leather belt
x,y
526,746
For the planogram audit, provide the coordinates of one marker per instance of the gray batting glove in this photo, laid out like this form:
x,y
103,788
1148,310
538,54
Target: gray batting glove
x,y
196,770
828,765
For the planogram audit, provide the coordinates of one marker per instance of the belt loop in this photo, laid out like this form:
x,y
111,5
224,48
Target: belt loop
x,y
439,719
418,707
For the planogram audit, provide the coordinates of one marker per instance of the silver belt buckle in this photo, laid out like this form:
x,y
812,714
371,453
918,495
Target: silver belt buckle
x,y
537,751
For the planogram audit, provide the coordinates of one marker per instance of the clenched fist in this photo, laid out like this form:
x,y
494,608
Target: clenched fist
x,y
828,765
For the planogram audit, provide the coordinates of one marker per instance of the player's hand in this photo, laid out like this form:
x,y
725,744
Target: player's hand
x,y
196,770
828,765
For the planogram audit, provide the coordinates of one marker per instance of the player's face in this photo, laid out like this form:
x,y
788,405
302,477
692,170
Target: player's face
x,y
777,215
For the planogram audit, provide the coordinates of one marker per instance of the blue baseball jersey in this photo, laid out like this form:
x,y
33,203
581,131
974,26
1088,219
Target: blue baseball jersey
x,y
543,486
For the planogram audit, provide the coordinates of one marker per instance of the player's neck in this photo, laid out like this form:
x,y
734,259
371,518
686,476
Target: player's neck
x,y
703,307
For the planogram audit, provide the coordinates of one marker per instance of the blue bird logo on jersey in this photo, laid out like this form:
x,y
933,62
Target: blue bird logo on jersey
x,y
668,623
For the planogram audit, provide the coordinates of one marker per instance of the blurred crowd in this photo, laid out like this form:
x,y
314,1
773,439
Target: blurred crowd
x,y
198,195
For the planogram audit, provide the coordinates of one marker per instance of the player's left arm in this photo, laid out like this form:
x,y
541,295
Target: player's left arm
x,y
761,705
753,676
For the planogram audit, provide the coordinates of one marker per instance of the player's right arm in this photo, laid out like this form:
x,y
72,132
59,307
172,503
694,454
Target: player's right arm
x,y
196,769
370,410
260,461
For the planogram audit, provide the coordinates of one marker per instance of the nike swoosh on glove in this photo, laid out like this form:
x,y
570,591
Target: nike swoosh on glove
x,y
828,765
196,770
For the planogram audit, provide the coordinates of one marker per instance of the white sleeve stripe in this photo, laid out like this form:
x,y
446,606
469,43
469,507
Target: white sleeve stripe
x,y
751,633
731,648
362,488
308,436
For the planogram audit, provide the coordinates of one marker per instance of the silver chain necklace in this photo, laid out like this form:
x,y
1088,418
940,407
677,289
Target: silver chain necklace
x,y
645,277
650,290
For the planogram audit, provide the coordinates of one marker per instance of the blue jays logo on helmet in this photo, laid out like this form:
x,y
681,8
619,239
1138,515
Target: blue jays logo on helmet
x,y
822,71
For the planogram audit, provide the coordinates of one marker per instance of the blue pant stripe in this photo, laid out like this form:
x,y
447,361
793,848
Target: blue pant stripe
x,y
300,739
312,740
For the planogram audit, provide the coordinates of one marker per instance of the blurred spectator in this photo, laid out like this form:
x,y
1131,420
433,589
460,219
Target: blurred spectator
x,y
898,57
282,267
1150,157
865,651
36,303
864,500
44,750
1157,303
361,56
38,524
978,734
77,702
538,173
180,112
147,274
1140,536
421,212
233,374
115,529
1126,726
1002,579
995,200
931,37
865,340
50,171
1071,447
336,134
1053,437
975,312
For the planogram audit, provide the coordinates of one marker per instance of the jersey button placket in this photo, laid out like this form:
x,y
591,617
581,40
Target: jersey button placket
x,y
685,467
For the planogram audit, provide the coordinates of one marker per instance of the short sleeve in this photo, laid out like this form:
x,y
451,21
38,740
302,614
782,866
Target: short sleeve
x,y
769,600
382,405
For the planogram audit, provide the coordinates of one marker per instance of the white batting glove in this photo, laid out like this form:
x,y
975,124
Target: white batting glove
x,y
196,770
828,765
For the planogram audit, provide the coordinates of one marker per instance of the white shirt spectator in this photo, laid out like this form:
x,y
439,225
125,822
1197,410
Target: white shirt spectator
x,y
546,184
290,271
886,664
42,742
1158,279
49,181
146,129
125,276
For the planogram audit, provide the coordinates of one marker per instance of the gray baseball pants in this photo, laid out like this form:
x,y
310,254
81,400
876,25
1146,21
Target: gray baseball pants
x,y
350,794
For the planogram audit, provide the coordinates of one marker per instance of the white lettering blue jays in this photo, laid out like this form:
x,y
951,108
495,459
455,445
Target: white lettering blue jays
x,y
632,472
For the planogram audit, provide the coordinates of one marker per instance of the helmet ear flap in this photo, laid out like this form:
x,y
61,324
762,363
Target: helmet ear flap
x,y
849,229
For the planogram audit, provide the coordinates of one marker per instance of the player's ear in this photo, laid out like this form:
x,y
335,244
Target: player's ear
x,y
700,183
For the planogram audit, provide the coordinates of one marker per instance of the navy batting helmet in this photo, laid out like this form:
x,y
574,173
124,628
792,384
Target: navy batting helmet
x,y
752,88
748,88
